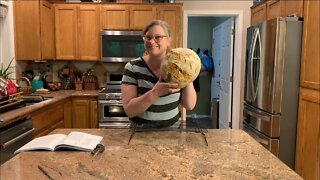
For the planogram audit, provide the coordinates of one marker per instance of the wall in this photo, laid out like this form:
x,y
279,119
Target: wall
x,y
200,31
6,38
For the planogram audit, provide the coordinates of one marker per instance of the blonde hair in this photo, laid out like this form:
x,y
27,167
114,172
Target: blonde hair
x,y
163,24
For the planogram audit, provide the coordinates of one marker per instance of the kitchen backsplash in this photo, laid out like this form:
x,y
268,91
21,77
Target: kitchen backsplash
x,y
51,69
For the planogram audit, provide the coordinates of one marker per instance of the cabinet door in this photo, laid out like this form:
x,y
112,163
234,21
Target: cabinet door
x,y
274,9
258,14
47,30
88,30
172,15
93,114
115,17
80,113
308,135
67,117
44,119
293,7
27,30
141,15
310,59
66,31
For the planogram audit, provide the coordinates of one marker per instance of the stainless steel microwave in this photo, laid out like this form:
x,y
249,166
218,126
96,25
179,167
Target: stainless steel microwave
x,y
121,46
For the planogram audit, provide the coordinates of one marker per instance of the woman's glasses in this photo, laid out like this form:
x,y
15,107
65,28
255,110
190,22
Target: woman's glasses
x,y
157,38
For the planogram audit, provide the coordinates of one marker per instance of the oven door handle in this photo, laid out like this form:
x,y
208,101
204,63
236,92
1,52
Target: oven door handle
x,y
113,102
4,145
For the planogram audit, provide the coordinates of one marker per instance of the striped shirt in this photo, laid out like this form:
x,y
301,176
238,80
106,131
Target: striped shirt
x,y
164,111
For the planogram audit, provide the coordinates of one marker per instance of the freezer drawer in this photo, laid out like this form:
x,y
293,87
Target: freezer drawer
x,y
266,123
272,144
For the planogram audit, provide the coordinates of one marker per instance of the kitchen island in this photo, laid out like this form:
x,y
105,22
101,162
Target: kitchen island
x,y
230,154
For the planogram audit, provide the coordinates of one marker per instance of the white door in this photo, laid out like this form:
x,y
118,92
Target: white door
x,y
225,56
216,56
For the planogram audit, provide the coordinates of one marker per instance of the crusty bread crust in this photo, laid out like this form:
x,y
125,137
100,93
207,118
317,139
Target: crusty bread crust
x,y
182,66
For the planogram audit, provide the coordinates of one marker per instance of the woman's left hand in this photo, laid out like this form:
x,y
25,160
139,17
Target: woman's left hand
x,y
164,88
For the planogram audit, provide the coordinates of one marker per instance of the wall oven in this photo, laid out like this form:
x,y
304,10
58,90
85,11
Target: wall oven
x,y
121,46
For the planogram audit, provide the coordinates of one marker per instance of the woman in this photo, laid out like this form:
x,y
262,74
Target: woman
x,y
147,100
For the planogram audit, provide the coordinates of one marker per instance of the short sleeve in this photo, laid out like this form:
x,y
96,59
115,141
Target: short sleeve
x,y
129,76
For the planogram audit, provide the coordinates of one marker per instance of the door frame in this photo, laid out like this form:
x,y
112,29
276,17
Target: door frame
x,y
237,61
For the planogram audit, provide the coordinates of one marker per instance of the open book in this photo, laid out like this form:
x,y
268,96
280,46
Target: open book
x,y
74,140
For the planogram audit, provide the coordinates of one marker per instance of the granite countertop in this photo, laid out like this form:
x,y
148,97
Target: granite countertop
x,y
54,96
231,154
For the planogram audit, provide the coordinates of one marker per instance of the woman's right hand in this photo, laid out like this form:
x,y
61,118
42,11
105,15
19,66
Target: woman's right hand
x,y
164,88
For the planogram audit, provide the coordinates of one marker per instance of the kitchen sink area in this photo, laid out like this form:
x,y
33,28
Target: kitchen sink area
x,y
35,98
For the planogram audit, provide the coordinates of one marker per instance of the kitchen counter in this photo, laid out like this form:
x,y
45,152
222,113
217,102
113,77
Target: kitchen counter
x,y
54,96
230,154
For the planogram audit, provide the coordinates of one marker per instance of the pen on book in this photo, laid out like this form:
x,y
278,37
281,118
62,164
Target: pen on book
x,y
45,172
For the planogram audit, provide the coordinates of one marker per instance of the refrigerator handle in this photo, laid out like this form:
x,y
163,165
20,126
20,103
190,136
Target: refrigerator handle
x,y
256,115
256,37
252,45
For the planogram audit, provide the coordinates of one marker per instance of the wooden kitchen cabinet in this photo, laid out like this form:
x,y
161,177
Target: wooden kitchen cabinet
x,y
293,7
310,58
77,32
47,119
84,112
276,8
66,31
114,17
67,114
258,13
88,28
172,15
140,16
136,17
34,30
126,16
307,162
94,113
308,129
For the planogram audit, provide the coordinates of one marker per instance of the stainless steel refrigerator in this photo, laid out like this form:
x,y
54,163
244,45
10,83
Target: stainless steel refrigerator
x,y
272,85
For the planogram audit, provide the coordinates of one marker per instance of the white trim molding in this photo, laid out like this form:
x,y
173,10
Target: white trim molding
x,y
238,55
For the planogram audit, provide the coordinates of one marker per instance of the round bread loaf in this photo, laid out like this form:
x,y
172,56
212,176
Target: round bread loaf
x,y
182,66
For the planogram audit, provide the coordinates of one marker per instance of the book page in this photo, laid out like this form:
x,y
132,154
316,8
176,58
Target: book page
x,y
80,141
48,142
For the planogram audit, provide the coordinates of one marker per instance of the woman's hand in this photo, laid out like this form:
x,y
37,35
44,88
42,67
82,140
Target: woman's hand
x,y
164,88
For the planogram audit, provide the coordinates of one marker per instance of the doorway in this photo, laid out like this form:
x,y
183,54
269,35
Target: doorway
x,y
205,21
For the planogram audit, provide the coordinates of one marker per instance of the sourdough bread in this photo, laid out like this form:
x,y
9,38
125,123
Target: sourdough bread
x,y
182,66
